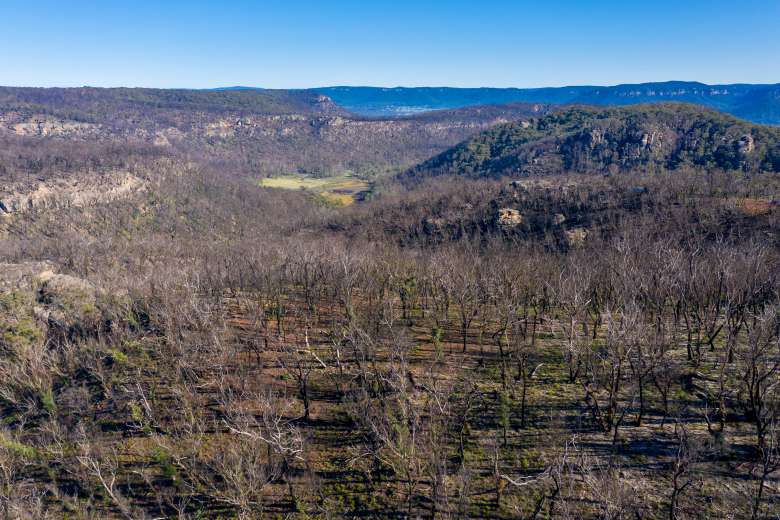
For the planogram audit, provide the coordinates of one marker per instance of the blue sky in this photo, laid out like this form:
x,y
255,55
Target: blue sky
x,y
293,44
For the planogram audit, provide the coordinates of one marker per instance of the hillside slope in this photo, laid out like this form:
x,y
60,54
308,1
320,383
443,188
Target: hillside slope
x,y
601,140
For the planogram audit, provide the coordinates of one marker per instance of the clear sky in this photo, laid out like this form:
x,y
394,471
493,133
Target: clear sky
x,y
302,43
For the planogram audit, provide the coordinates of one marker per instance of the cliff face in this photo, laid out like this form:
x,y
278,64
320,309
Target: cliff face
x,y
77,190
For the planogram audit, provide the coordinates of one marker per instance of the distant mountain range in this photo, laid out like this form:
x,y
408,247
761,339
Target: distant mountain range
x,y
757,103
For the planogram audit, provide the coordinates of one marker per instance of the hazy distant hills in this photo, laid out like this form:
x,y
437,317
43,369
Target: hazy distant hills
x,y
757,103
586,139
375,101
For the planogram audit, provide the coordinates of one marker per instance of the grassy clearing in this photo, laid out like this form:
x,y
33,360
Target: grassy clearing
x,y
340,190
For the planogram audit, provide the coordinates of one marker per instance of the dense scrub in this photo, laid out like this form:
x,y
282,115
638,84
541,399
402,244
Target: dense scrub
x,y
558,211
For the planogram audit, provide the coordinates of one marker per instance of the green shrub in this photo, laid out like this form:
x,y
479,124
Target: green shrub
x,y
18,449
21,333
118,357
47,401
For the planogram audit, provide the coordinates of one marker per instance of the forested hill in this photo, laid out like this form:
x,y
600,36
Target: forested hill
x,y
600,140
757,103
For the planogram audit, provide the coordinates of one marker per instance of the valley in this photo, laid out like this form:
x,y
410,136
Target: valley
x,y
389,260
258,304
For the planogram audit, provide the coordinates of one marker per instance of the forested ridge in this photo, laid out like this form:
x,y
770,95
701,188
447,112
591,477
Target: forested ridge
x,y
595,140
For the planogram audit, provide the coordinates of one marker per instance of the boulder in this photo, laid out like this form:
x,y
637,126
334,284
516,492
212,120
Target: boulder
x,y
746,144
508,218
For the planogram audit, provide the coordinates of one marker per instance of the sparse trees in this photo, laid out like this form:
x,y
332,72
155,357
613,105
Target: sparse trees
x,y
760,361
686,453
460,278
255,354
573,290
768,463
605,375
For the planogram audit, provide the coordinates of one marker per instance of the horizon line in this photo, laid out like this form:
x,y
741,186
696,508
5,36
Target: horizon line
x,y
398,87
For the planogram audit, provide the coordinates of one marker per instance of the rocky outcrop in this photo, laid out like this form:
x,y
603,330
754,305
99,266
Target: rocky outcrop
x,y
54,128
59,304
746,144
74,191
67,303
508,218
23,276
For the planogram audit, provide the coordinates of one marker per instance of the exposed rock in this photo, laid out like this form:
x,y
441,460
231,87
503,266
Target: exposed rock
x,y
325,105
58,288
576,236
165,136
62,303
69,302
508,218
39,126
649,139
746,144
20,276
596,136
559,219
68,192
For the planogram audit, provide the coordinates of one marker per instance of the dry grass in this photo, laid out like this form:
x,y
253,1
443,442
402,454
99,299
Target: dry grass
x,y
340,190
753,207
